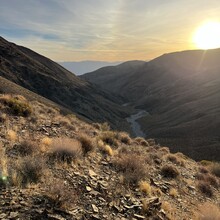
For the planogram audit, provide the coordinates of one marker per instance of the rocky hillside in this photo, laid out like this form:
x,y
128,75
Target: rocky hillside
x,y
180,91
48,79
59,167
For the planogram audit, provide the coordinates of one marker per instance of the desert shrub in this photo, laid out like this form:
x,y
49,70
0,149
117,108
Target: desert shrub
x,y
124,137
27,170
110,138
174,159
164,150
151,142
203,169
141,141
59,195
205,188
3,168
17,105
107,150
105,126
65,150
3,117
145,187
212,180
132,167
97,126
46,141
87,144
25,148
169,171
215,169
205,162
11,135
208,211
173,192
209,179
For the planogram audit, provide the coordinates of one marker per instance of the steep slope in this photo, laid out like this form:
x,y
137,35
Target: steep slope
x,y
59,167
181,91
46,78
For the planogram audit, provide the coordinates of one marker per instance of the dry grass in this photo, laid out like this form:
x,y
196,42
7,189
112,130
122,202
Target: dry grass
x,y
168,208
11,135
25,148
65,150
59,195
124,137
215,169
145,187
132,166
17,105
205,188
27,170
104,148
208,178
203,169
45,144
105,126
174,159
110,138
3,167
3,117
208,211
87,143
173,192
169,171
141,141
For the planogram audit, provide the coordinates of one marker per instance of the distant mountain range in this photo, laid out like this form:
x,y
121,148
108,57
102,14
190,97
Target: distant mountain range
x,y
180,90
82,67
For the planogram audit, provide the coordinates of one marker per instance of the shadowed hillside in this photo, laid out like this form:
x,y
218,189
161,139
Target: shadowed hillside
x,y
46,78
181,91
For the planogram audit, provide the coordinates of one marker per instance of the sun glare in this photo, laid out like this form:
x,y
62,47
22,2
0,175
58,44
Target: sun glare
x,y
207,36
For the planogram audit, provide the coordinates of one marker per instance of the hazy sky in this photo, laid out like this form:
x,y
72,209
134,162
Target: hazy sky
x,y
71,30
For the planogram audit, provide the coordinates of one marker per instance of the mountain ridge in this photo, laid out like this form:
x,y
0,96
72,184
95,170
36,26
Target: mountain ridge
x,y
46,78
180,90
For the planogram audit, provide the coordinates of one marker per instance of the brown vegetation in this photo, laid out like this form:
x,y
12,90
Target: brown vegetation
x,y
169,171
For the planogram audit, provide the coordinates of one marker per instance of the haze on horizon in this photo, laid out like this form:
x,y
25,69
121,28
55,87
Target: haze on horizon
x,y
72,30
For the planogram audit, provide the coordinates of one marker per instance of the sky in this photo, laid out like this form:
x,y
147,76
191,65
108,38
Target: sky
x,y
107,30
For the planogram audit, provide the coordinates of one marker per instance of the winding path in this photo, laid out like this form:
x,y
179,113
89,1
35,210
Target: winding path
x,y
135,126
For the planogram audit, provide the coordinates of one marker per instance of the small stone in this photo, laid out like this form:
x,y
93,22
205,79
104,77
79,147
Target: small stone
x,y
13,214
95,208
92,173
139,216
3,215
88,189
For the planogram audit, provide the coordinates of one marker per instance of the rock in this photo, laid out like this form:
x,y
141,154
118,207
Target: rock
x,y
56,217
95,208
92,173
139,216
3,215
88,189
13,214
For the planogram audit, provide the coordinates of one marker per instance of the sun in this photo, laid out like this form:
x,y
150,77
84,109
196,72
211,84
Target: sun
x,y
207,36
